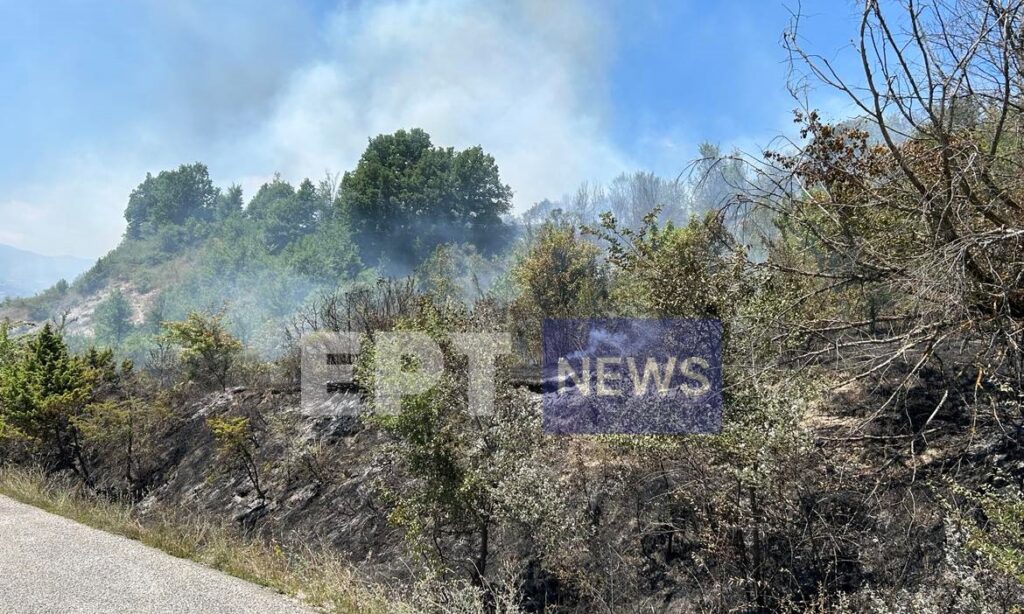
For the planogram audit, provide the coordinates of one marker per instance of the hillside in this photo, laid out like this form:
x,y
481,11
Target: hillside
x,y
193,246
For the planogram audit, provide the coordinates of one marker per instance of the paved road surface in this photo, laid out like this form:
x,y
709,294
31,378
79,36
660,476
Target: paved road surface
x,y
51,564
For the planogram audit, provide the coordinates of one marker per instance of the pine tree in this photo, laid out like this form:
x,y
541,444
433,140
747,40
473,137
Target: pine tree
x,y
42,393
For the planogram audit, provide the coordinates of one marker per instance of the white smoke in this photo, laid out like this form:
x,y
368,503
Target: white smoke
x,y
523,80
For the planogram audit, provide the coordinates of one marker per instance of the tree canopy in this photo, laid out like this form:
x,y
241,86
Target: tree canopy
x,y
171,198
406,196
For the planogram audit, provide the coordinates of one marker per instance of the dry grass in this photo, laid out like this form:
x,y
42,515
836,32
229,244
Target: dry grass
x,y
320,579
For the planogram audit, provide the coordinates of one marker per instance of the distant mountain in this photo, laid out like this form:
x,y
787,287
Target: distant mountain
x,y
24,273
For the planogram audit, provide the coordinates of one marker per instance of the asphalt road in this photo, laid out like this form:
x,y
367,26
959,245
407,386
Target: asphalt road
x,y
51,564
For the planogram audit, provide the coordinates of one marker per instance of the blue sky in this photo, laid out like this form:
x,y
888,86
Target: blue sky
x,y
99,93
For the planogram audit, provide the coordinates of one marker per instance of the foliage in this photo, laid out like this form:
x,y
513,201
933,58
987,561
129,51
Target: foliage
x,y
7,357
43,389
993,520
207,349
409,195
462,483
124,426
459,273
113,319
917,205
692,271
329,254
236,448
170,199
562,274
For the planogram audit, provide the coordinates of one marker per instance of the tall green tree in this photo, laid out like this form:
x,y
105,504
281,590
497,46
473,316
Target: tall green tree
x,y
406,196
42,393
285,214
170,199
229,203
